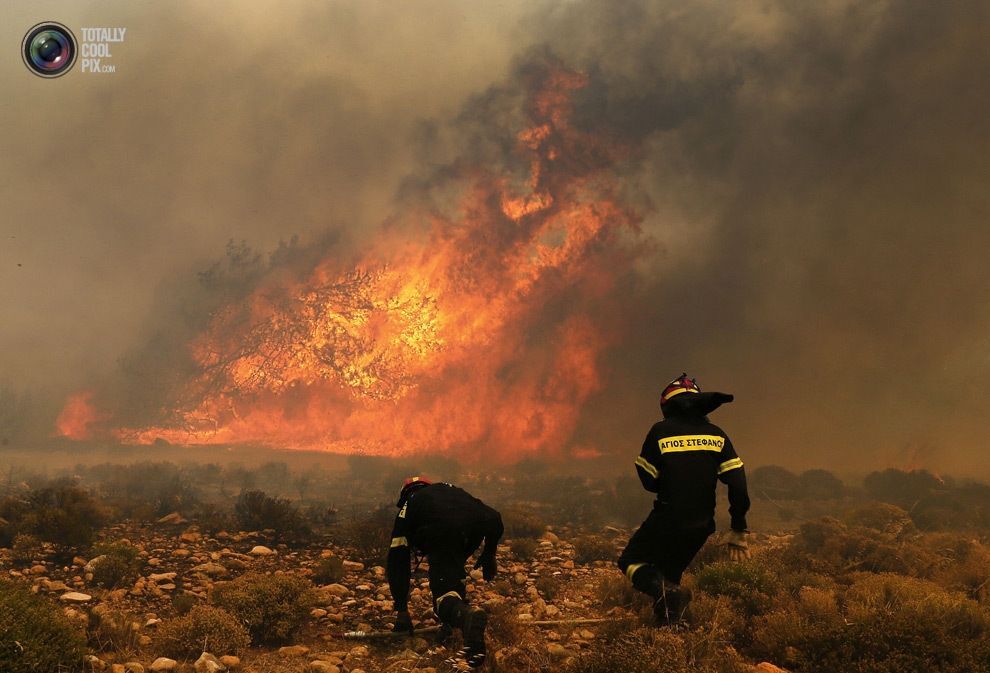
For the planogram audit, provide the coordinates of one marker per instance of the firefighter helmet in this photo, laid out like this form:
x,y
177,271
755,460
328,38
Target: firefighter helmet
x,y
682,384
410,486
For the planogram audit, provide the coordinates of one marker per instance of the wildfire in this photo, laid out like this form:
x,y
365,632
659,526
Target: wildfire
x,y
78,416
481,336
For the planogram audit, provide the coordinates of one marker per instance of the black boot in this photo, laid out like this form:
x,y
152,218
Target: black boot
x,y
474,637
671,604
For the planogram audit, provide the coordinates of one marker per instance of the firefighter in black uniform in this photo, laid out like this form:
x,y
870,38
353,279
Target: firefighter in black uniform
x,y
446,524
682,457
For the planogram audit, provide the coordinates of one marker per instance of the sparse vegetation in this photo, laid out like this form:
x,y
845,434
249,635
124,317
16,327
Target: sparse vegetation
x,y
203,628
114,564
272,607
524,547
590,548
35,637
329,570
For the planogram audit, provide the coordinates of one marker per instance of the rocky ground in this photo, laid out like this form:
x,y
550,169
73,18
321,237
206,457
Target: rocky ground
x,y
178,559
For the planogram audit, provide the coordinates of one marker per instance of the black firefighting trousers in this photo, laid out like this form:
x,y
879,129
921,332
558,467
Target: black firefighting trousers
x,y
447,553
661,550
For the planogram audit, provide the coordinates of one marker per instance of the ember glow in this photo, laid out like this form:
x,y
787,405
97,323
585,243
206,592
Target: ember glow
x,y
480,335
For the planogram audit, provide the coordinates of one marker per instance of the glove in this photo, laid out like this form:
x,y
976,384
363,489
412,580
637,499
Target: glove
x,y
403,623
737,544
488,565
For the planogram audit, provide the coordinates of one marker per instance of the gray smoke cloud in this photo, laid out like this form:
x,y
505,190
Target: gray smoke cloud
x,y
812,176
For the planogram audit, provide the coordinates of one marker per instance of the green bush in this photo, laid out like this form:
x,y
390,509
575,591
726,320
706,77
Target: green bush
x,y
115,564
35,636
589,548
204,628
749,584
329,570
272,607
524,548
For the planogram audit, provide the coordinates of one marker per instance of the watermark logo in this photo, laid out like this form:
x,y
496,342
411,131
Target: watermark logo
x,y
96,50
49,49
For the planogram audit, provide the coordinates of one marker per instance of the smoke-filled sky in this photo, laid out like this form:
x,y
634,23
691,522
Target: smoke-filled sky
x,y
811,179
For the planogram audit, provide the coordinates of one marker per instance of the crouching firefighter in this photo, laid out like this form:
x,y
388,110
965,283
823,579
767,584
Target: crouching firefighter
x,y
445,524
682,457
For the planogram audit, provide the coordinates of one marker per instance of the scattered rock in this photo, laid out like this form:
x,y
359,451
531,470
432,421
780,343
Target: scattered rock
x,y
293,650
261,550
163,664
207,663
173,518
75,597
230,661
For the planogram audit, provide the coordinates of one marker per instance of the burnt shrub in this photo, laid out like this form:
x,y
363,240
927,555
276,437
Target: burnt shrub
x,y
35,636
651,650
203,628
329,570
370,535
520,521
25,548
115,564
272,607
60,513
820,485
589,548
904,489
548,586
254,510
774,482
524,548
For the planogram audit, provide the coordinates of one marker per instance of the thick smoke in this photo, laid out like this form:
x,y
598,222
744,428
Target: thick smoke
x,y
810,174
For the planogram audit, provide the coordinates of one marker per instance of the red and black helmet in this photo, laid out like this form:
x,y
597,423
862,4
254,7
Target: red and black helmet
x,y
410,486
682,384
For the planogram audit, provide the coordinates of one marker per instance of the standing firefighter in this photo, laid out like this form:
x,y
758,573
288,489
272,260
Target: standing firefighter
x,y
446,524
682,457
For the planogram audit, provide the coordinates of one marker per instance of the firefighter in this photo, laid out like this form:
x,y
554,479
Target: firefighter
x,y
445,524
682,457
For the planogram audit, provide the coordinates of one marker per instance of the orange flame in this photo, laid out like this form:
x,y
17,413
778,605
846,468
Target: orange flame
x,y
480,339
78,416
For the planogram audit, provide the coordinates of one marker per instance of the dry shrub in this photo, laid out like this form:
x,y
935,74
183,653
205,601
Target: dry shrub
x,y
329,570
520,521
890,520
35,636
651,650
749,584
590,548
524,548
115,564
273,607
966,565
370,535
25,549
548,586
832,547
114,631
615,590
203,629
884,623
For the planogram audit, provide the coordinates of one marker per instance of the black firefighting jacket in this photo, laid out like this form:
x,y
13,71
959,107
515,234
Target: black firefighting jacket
x,y
439,519
681,460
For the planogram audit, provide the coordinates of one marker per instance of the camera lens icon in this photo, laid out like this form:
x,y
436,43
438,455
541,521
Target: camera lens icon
x,y
49,49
